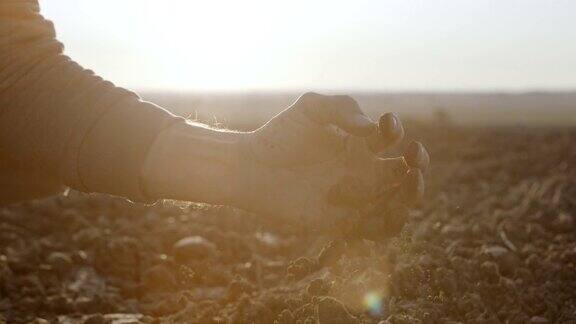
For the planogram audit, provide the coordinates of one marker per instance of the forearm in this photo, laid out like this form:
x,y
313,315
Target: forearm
x,y
63,120
193,162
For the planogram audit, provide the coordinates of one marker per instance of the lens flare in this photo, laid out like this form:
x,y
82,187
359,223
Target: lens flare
x,y
373,303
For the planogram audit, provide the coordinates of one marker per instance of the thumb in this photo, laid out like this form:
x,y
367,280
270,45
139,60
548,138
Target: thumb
x,y
341,111
348,116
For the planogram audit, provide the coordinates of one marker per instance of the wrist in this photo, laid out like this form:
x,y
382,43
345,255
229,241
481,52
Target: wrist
x,y
193,162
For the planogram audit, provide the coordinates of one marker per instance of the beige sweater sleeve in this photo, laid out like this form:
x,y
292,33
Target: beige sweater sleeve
x,y
61,119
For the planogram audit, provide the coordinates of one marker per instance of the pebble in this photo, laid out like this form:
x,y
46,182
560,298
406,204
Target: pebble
x,y
507,261
124,251
193,247
563,223
238,287
495,251
490,271
61,262
538,320
95,319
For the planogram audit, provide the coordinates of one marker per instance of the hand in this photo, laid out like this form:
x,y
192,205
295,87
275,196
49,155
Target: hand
x,y
316,163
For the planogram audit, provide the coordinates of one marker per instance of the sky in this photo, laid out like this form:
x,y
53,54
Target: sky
x,y
389,45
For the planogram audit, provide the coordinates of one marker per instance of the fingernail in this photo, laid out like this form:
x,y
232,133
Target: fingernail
x,y
389,125
412,187
417,156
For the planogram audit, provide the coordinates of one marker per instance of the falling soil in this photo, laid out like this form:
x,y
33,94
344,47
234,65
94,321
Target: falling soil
x,y
494,241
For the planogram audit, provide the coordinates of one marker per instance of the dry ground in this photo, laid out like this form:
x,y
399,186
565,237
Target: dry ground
x,y
494,242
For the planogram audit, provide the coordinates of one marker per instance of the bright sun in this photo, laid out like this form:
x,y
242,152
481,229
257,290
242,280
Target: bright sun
x,y
320,44
212,44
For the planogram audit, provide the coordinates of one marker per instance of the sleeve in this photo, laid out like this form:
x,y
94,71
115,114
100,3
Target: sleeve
x,y
61,119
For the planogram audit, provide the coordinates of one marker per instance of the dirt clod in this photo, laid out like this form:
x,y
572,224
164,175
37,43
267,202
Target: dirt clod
x,y
193,247
61,262
95,319
158,278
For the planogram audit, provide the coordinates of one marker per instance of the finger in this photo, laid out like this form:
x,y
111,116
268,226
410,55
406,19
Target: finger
x,y
341,111
417,156
349,117
390,132
407,191
357,192
412,188
387,216
391,171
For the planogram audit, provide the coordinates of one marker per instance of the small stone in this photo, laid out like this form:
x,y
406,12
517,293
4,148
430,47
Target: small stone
x,y
38,320
193,247
84,304
538,320
495,251
59,304
61,262
87,236
452,231
490,271
563,223
426,261
238,287
80,257
124,251
507,261
95,319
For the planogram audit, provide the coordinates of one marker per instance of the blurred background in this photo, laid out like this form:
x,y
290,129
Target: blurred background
x,y
238,63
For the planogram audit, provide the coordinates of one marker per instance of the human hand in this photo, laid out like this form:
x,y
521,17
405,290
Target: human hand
x,y
317,164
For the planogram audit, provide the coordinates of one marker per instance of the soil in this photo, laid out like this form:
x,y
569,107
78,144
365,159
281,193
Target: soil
x,y
493,242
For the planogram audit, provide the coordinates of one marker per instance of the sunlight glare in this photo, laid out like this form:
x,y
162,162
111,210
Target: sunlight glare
x,y
373,303
193,35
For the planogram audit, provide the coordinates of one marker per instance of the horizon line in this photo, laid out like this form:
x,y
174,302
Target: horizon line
x,y
357,91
